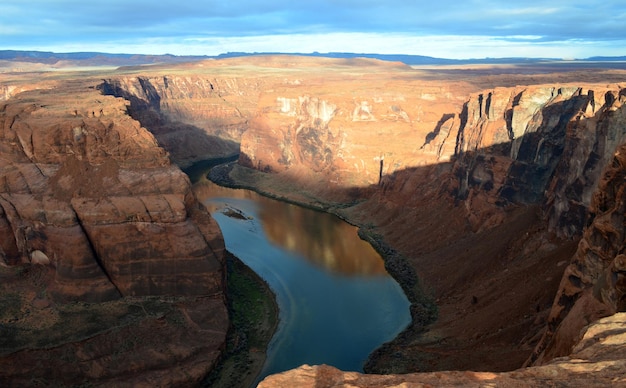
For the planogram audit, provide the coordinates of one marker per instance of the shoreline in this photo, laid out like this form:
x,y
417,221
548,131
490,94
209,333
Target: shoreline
x,y
249,334
423,308
241,356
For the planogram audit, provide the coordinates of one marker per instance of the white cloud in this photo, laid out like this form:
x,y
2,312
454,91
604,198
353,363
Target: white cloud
x,y
444,28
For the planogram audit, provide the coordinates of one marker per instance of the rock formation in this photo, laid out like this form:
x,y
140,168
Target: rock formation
x,y
595,362
440,169
95,222
191,116
593,285
485,187
543,147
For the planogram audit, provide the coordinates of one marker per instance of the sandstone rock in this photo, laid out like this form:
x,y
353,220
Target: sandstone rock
x,y
478,182
598,360
191,116
593,284
38,257
93,211
470,165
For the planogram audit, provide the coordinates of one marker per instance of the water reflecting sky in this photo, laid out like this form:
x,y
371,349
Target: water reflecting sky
x,y
337,303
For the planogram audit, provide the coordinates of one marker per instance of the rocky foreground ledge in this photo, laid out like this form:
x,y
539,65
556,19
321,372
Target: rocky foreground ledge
x,y
599,360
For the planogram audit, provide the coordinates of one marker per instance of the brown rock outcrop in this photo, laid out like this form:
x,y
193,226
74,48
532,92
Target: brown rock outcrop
x,y
507,140
352,137
597,361
511,170
91,204
481,184
593,284
192,116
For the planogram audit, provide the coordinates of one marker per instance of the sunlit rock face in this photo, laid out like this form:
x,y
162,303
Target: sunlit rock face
x,y
91,204
461,173
350,132
191,116
557,150
485,189
87,166
528,144
594,362
544,144
448,172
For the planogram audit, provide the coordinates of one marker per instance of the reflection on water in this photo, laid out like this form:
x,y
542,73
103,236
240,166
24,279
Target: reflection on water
x,y
321,238
337,303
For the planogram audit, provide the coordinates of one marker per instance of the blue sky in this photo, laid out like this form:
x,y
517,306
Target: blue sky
x,y
440,28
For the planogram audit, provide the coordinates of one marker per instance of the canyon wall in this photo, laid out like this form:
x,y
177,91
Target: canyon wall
x,y
594,283
497,197
479,189
97,224
511,143
556,147
481,195
351,134
194,117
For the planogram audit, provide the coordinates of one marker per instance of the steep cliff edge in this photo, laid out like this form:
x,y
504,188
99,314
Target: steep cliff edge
x,y
510,215
111,271
594,284
486,192
482,189
194,117
480,196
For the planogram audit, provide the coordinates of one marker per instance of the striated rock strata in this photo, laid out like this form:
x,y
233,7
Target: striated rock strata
x,y
481,197
192,116
97,225
594,283
477,186
485,187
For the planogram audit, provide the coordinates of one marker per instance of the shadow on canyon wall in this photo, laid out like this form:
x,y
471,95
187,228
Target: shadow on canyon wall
x,y
490,231
106,259
185,142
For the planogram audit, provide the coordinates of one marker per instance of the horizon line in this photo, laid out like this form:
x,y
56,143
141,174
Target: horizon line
x,y
312,53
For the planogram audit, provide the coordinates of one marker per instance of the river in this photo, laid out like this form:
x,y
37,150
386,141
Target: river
x,y
337,302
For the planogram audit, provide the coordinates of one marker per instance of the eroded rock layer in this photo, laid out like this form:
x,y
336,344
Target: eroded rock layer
x,y
191,116
485,187
93,220
479,184
479,194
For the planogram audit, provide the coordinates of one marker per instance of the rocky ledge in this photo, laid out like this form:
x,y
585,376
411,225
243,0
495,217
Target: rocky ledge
x,y
111,271
599,360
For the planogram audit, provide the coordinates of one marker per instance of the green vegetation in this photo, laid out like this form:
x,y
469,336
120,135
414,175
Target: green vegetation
x,y
254,316
25,327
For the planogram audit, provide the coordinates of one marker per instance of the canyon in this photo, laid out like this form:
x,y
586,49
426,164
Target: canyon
x,y
495,195
105,252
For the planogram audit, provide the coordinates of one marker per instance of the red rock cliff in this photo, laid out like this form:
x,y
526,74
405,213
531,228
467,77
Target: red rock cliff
x,y
487,192
480,195
192,116
95,221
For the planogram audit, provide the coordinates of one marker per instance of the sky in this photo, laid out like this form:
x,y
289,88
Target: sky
x,y
458,29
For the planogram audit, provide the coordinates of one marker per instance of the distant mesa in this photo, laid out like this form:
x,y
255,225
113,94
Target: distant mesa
x,y
116,59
